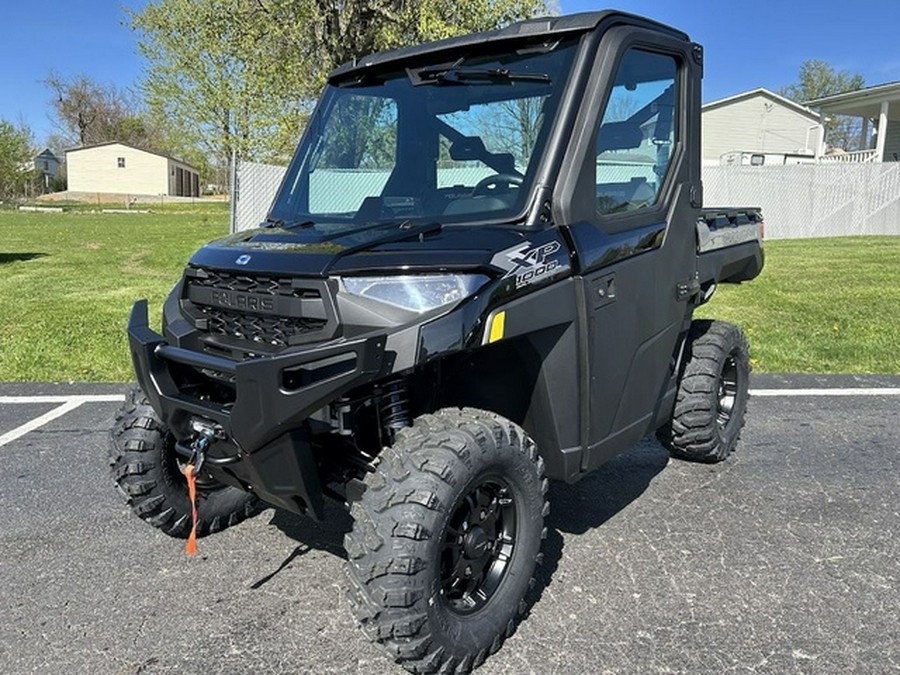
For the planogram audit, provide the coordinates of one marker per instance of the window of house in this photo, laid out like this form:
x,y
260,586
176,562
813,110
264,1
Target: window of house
x,y
637,134
121,162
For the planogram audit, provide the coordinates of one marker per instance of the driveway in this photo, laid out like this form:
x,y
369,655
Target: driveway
x,y
781,559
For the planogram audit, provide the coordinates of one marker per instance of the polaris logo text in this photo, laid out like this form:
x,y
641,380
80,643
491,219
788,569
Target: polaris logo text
x,y
246,301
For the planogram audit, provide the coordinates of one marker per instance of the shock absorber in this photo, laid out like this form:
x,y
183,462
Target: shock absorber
x,y
394,407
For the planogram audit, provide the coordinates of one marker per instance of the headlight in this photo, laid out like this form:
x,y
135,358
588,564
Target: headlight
x,y
416,292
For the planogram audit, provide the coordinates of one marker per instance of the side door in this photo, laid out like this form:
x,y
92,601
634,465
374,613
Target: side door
x,y
628,195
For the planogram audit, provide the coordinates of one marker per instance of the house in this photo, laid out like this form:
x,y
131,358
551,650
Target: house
x,y
120,168
761,123
879,108
47,164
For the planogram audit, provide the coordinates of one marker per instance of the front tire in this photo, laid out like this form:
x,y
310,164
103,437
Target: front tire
x,y
712,395
145,468
446,538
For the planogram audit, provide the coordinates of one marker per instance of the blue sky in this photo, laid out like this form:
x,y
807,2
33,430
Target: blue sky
x,y
748,44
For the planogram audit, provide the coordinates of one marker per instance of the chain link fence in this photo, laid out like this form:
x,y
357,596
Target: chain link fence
x,y
804,200
254,187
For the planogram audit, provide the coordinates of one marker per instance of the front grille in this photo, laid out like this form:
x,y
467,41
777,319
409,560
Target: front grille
x,y
243,283
252,312
277,331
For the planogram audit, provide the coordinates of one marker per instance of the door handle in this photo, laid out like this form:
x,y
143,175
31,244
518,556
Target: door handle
x,y
603,290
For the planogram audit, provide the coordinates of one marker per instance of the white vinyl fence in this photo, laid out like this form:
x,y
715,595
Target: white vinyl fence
x,y
803,200
812,200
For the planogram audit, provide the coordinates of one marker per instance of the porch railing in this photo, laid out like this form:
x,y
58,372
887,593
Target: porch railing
x,y
857,157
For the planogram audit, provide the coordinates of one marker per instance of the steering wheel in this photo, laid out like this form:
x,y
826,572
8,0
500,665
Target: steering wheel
x,y
496,184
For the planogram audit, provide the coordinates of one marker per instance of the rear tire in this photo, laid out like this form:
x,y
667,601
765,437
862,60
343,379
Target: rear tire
x,y
145,469
446,539
712,394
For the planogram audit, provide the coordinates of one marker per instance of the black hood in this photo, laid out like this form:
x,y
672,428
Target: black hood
x,y
311,251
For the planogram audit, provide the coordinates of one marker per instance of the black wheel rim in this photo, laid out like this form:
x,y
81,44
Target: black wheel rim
x,y
728,391
478,546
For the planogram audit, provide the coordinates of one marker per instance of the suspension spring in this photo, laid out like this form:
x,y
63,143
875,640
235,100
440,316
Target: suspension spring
x,y
394,407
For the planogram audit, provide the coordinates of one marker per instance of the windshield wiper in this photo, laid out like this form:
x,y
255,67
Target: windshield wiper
x,y
299,223
360,80
287,225
456,75
497,74
395,231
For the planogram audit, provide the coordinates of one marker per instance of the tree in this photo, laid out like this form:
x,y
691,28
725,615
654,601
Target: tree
x,y
819,78
15,152
215,71
347,30
88,112
439,19
58,143
242,75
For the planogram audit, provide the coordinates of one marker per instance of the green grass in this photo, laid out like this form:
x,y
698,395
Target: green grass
x,y
820,306
67,283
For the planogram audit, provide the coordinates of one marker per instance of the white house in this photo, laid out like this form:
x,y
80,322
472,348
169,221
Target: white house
x,y
124,169
879,108
759,122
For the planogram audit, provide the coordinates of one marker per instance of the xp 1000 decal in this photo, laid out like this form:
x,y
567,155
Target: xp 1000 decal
x,y
528,263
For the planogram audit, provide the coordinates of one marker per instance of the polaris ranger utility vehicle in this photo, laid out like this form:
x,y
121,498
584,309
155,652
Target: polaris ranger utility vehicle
x,y
479,273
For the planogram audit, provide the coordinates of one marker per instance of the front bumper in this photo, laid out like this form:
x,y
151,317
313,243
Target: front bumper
x,y
264,445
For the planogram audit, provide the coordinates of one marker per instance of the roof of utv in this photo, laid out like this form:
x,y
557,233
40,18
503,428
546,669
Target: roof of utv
x,y
531,28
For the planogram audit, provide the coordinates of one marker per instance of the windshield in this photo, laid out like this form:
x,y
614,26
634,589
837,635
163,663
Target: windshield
x,y
449,142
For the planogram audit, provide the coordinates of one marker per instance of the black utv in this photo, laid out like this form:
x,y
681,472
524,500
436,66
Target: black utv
x,y
479,274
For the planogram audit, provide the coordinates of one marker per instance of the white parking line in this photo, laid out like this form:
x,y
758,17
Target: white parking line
x,y
69,403
81,398
37,422
853,391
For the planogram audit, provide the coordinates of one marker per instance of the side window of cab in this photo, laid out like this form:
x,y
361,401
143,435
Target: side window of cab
x,y
637,133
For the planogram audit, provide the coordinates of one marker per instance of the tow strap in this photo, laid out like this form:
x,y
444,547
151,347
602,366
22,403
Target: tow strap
x,y
191,469
191,548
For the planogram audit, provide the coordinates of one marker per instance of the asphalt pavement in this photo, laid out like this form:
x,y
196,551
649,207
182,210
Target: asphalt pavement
x,y
782,559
